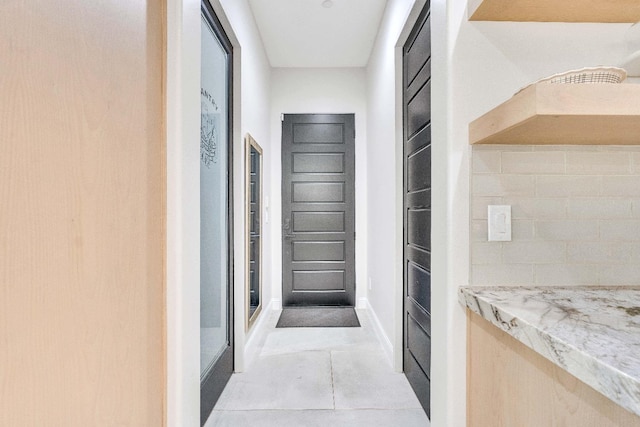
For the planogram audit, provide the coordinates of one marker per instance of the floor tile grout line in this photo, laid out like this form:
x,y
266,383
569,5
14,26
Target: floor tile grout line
x,y
331,342
318,410
333,390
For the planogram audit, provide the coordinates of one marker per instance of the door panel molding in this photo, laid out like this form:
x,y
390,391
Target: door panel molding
x,y
318,209
417,208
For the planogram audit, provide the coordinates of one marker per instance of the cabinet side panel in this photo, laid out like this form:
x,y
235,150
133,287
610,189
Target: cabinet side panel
x,y
81,213
511,385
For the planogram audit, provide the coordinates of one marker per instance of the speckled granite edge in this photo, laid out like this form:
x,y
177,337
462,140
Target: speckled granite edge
x,y
524,314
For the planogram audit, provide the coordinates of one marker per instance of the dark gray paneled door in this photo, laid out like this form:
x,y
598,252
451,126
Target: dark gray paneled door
x,y
417,208
318,209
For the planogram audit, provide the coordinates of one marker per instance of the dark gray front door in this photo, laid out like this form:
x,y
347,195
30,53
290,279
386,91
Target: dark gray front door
x,y
417,208
318,209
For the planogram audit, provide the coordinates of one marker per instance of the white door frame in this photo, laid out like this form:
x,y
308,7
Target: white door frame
x,y
448,350
183,212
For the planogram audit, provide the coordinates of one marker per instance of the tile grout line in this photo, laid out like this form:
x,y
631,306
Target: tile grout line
x,y
333,391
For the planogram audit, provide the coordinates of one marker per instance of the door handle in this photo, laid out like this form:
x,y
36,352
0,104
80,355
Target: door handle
x,y
289,235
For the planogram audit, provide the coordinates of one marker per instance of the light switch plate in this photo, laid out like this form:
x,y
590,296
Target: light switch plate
x,y
499,218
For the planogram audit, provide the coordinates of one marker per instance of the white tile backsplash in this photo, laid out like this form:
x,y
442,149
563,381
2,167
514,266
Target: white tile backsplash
x,y
635,208
596,253
547,162
486,162
620,230
503,274
479,206
566,230
528,207
627,274
522,230
598,163
534,252
487,253
576,215
565,274
635,163
503,185
568,185
621,186
599,208
479,231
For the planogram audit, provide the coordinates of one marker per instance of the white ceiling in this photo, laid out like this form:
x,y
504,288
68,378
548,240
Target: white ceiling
x,y
303,33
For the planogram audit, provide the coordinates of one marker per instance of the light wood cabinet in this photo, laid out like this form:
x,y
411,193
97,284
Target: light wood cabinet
x,y
511,385
82,193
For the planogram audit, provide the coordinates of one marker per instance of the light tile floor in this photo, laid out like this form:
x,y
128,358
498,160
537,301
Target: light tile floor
x,y
317,377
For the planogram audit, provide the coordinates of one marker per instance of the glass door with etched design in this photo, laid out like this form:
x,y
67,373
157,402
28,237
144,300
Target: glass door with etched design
x,y
216,341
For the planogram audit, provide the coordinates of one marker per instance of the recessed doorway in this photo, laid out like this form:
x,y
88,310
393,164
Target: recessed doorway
x,y
318,209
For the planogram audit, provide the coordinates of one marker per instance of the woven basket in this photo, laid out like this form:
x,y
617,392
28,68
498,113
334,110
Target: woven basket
x,y
592,75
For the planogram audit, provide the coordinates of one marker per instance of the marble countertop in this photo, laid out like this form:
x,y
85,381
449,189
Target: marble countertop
x,y
591,332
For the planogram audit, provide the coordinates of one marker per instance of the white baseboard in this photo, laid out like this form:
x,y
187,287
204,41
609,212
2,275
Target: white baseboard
x,y
276,304
362,303
256,334
380,334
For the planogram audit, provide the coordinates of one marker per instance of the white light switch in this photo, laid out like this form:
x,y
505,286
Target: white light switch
x,y
499,223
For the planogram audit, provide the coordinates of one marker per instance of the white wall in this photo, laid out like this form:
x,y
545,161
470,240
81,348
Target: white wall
x,y
255,98
385,174
319,90
251,91
449,260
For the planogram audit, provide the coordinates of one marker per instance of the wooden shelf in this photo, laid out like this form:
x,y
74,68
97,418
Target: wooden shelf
x,y
575,114
555,10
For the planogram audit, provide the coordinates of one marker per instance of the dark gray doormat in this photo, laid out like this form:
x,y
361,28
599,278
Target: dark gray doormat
x,y
318,317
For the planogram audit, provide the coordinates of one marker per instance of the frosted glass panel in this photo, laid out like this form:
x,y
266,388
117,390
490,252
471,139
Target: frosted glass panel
x,y
213,201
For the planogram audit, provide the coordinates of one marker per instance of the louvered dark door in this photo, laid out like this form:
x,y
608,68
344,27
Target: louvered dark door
x,y
417,208
318,209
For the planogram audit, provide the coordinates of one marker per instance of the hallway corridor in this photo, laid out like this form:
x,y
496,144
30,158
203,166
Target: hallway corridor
x,y
317,377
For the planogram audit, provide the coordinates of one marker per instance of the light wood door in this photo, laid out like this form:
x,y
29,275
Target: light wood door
x,y
81,213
